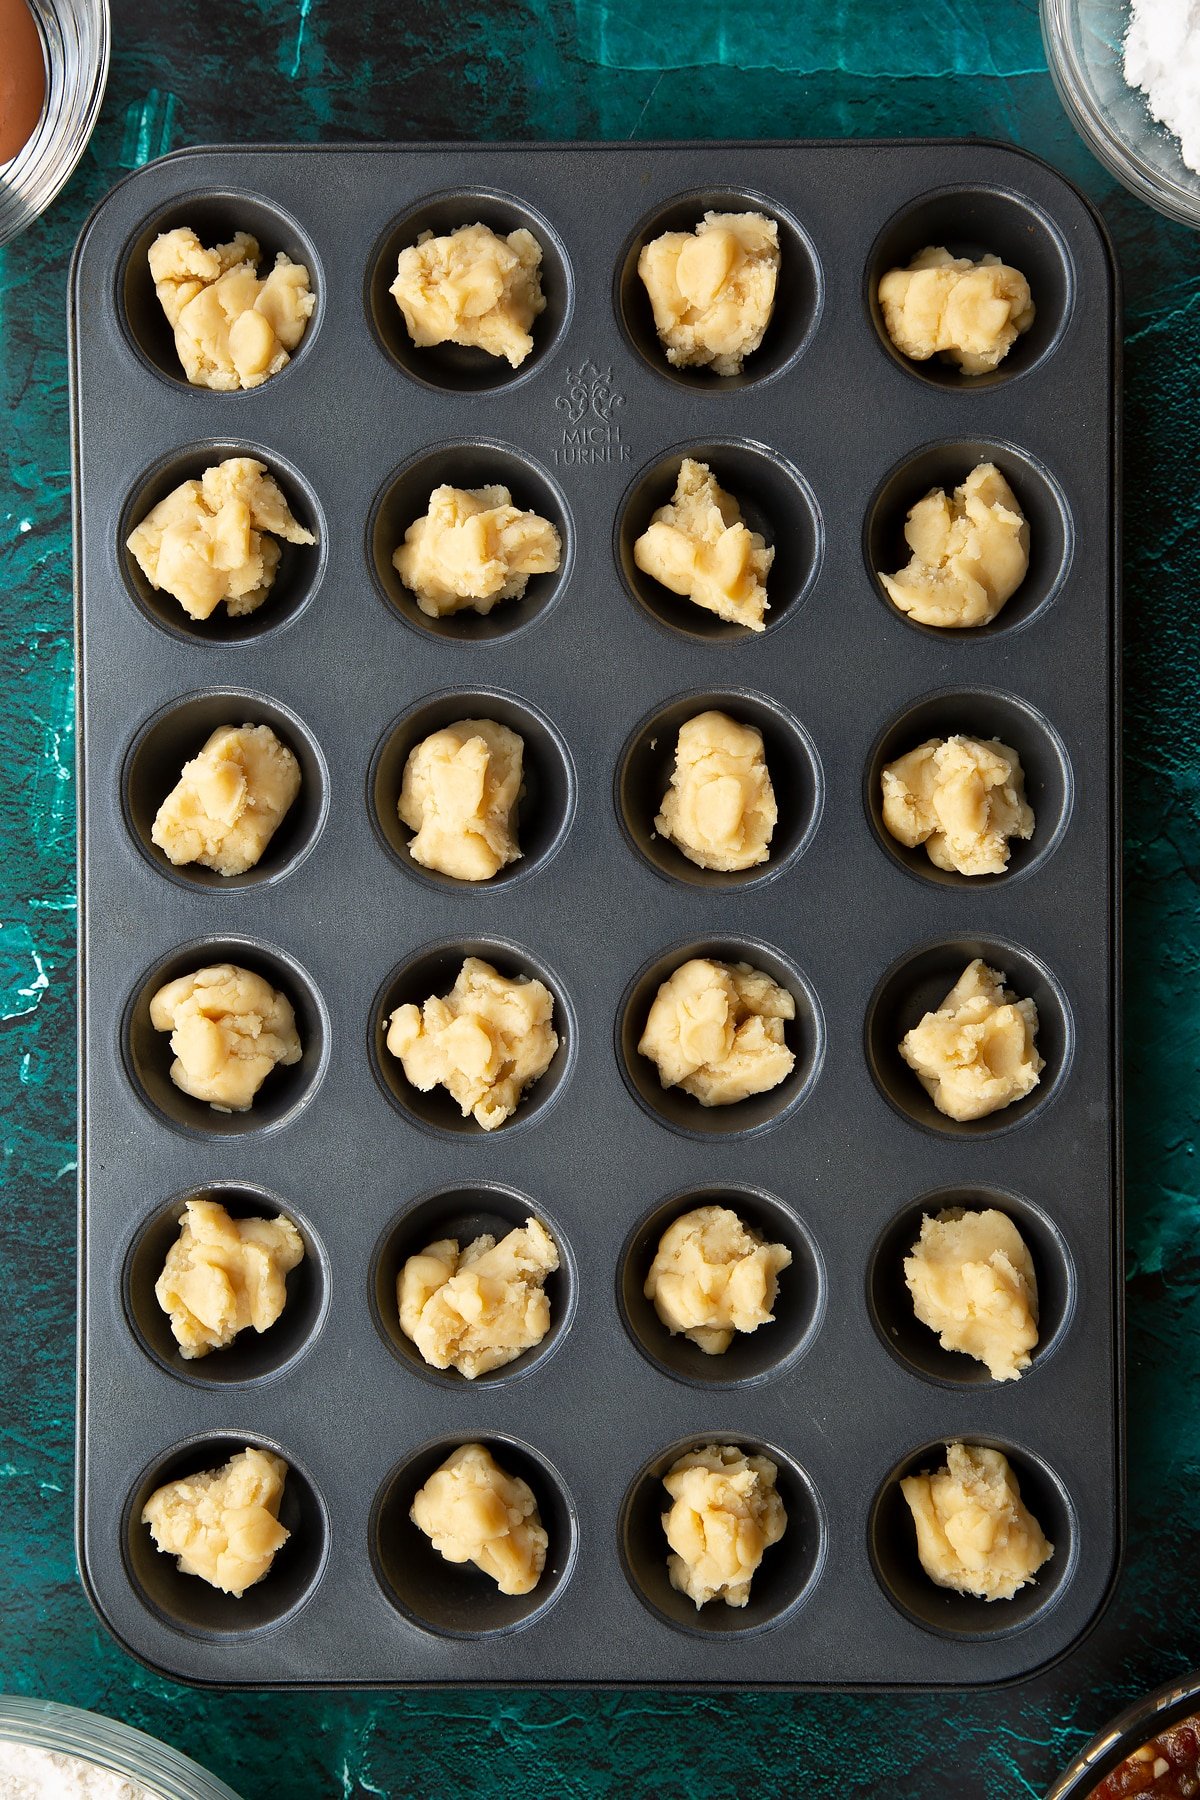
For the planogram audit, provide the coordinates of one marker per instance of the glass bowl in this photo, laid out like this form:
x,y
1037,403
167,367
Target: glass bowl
x,y
164,1773
75,44
1144,1720
1084,46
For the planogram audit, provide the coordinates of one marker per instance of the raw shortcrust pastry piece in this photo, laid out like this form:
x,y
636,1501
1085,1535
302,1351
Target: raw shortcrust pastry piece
x,y
977,1053
484,1041
972,1281
960,797
716,1029
969,313
229,800
477,1308
473,549
231,329
471,1510
697,546
727,1511
713,1276
228,1029
223,1524
211,540
712,290
720,807
224,1275
970,553
459,796
974,1532
473,288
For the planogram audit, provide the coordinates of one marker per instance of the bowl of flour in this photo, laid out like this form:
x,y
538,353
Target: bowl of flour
x,y
52,1752
1128,73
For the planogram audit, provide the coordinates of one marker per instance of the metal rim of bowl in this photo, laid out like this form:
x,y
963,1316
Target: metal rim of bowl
x,y
1115,151
108,1744
1132,1728
36,176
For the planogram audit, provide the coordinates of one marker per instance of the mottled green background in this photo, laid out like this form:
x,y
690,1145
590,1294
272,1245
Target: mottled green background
x,y
281,69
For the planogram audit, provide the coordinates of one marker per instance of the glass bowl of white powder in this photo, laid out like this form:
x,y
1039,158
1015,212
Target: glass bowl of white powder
x,y
52,1752
1128,73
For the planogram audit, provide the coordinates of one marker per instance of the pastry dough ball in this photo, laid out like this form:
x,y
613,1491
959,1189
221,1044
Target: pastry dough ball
x,y
716,1030
211,540
720,807
228,1029
969,313
484,1041
472,1511
972,1281
229,801
712,1276
726,1513
977,1053
697,546
472,288
974,1533
473,549
712,290
231,329
960,797
224,1275
477,1308
223,1524
459,795
970,553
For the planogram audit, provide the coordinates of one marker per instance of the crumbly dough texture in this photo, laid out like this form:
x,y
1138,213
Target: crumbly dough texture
x,y
720,807
713,1276
459,796
977,1053
970,553
698,547
969,313
213,540
726,1512
471,1510
473,549
229,1028
473,288
972,1281
716,1030
229,801
476,1308
484,1042
223,1524
231,329
712,290
962,798
974,1532
225,1275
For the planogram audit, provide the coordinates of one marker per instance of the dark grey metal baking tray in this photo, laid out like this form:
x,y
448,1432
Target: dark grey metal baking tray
x,y
827,439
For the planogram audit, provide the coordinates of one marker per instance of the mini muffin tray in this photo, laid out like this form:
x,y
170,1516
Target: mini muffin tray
x,y
826,441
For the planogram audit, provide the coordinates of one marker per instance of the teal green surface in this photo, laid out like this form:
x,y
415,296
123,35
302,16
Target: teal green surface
x,y
281,69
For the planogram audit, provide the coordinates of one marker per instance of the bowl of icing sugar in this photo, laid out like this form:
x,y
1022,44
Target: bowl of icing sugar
x,y
1128,73
52,1752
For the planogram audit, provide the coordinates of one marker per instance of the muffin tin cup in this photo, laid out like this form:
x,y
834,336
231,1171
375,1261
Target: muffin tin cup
x,y
786,1576
252,1356
464,1214
297,578
190,1605
825,440
178,733
458,1600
